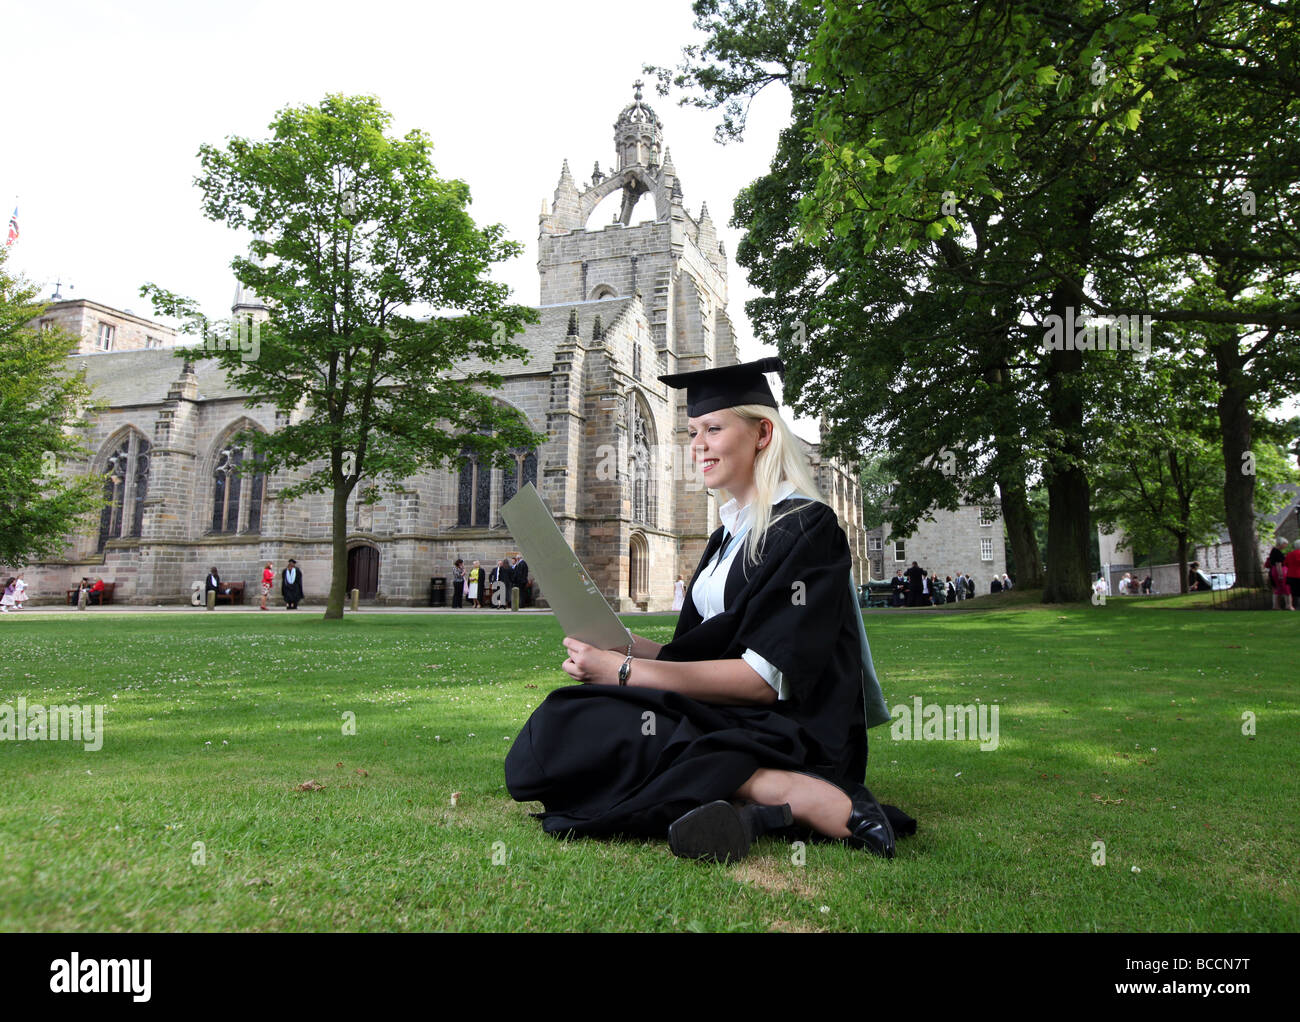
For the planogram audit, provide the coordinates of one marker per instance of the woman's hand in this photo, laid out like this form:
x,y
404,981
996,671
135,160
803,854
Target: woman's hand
x,y
590,665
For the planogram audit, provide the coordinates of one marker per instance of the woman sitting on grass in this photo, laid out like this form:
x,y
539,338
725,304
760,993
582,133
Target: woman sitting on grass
x,y
754,717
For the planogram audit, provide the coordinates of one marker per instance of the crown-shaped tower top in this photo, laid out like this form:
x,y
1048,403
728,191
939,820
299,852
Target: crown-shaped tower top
x,y
638,133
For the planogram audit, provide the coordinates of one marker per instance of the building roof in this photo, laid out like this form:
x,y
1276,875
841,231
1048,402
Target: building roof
x,y
143,377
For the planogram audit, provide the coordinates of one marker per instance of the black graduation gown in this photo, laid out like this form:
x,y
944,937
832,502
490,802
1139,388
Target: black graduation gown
x,y
520,575
605,759
292,592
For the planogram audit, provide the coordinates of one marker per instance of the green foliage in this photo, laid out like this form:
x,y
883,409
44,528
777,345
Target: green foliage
x,y
1160,476
40,410
955,174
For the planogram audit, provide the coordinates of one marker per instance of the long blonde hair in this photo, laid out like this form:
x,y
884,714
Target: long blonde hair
x,y
779,461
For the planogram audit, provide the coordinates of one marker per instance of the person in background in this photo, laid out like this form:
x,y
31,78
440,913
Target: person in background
x,y
291,585
212,584
520,570
268,579
1006,582
950,590
500,581
996,585
1146,586
1196,581
900,588
1277,578
914,587
679,593
959,587
1125,583
20,591
474,585
970,588
1292,558
7,602
97,591
458,583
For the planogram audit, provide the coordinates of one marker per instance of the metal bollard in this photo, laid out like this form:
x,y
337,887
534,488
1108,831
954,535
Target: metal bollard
x,y
514,597
212,599
356,599
82,598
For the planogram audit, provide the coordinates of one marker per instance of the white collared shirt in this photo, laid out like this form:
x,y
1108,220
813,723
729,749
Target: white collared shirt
x,y
710,587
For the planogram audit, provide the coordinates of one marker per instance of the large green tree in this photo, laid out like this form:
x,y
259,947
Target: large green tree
x,y
354,232
970,174
1093,128
40,412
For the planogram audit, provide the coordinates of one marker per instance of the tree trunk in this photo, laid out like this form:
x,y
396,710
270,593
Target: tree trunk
x,y
1068,547
1069,503
1182,563
1020,529
1235,429
339,543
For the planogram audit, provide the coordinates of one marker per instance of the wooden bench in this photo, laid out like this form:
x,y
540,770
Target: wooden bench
x,y
231,592
107,595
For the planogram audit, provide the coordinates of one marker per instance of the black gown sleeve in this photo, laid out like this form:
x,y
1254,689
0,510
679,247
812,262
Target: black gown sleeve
x,y
794,616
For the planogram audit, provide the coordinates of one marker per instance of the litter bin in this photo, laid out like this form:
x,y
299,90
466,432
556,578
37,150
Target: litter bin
x,y
437,592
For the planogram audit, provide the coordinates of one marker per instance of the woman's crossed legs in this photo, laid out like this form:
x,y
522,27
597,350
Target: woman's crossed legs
x,y
815,803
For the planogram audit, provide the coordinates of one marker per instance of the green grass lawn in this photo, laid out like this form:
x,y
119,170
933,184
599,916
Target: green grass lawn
x,y
1120,724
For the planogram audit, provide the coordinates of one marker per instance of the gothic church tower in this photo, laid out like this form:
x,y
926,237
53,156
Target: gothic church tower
x,y
660,287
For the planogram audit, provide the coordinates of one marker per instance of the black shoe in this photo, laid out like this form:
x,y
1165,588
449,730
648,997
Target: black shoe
x,y
869,826
723,832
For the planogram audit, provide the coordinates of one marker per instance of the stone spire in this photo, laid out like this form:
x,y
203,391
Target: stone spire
x,y
564,214
707,238
246,302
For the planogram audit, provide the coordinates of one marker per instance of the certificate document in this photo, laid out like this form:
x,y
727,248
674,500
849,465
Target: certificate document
x,y
579,605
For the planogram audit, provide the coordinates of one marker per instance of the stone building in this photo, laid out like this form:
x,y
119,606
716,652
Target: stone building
x,y
620,304
969,540
102,328
1215,559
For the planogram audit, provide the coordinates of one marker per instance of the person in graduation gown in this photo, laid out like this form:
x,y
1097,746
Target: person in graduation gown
x,y
754,718
521,580
915,584
291,585
213,583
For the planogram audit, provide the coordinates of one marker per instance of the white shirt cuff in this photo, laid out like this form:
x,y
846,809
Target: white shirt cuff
x,y
768,672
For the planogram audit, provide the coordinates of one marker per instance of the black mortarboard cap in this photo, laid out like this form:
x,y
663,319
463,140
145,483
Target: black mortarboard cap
x,y
707,390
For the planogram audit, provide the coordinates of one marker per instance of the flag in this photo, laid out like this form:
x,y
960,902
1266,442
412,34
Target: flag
x,y
13,228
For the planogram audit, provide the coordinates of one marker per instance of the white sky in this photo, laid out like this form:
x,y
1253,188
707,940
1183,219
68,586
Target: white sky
x,y
107,105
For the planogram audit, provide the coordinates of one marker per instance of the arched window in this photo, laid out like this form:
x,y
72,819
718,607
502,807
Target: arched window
x,y
515,477
638,567
126,484
644,507
474,491
474,485
237,496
